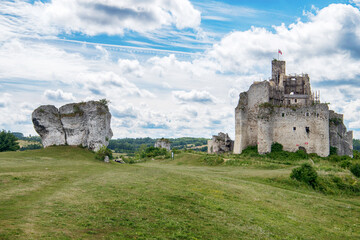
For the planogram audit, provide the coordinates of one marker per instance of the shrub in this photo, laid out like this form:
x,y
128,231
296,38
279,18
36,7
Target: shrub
x,y
154,152
333,150
355,169
356,154
103,151
251,151
345,164
276,147
213,159
332,184
306,173
176,151
301,154
337,158
8,142
104,102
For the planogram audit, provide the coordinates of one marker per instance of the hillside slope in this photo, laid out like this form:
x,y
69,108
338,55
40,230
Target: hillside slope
x,y
64,193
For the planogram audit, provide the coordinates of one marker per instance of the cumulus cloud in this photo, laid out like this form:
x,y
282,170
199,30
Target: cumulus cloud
x,y
93,17
5,100
40,61
194,96
356,2
329,37
58,95
111,84
124,112
130,67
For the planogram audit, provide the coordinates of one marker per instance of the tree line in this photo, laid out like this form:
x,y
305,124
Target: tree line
x,y
132,145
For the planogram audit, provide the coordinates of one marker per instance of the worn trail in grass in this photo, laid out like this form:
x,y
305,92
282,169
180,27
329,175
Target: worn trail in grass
x,y
63,193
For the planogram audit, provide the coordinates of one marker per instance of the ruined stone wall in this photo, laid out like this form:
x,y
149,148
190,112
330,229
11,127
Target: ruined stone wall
x,y
298,123
278,71
297,84
306,127
163,143
265,132
246,115
220,143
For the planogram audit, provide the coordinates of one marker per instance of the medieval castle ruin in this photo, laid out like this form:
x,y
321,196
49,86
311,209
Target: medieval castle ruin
x,y
284,110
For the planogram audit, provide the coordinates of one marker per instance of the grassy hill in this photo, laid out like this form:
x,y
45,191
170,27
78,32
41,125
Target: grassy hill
x,y
64,193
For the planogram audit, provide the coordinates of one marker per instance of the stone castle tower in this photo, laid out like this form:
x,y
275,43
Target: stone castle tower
x,y
284,110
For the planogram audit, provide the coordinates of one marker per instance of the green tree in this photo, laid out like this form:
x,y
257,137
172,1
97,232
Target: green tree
x,y
8,142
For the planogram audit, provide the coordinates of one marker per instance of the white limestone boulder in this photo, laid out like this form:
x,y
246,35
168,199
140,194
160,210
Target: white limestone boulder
x,y
84,124
47,124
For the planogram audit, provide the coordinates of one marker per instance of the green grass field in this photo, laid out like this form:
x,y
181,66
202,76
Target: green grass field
x,y
64,193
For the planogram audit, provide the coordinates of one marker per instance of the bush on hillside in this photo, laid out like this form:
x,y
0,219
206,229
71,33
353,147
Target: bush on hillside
x,y
345,164
102,152
355,169
8,142
356,154
151,152
213,159
335,184
306,173
337,158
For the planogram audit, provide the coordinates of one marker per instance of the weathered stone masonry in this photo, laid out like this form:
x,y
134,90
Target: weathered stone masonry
x,y
284,110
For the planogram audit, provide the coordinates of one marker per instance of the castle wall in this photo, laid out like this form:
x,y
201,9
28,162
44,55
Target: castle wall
x,y
298,123
265,130
246,115
278,71
240,131
306,127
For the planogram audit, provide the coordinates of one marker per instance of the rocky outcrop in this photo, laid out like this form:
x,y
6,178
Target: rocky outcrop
x,y
47,124
163,143
220,144
84,124
340,138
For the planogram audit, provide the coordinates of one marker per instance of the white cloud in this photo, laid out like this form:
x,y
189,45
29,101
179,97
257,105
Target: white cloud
x,y
329,37
124,111
93,17
194,96
58,95
356,2
110,84
130,67
40,61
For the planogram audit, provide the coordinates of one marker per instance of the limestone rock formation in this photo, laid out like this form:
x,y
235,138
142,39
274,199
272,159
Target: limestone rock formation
x,y
339,136
220,143
47,124
86,124
163,143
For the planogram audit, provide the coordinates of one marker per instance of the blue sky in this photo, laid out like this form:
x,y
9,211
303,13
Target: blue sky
x,y
171,68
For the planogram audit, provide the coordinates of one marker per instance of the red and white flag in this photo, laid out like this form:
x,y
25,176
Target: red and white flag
x,y
279,51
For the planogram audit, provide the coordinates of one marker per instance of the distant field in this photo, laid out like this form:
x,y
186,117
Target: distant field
x,y
64,193
25,143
